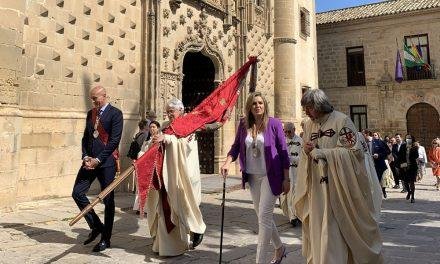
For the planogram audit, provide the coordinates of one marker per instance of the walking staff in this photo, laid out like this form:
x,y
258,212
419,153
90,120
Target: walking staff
x,y
223,218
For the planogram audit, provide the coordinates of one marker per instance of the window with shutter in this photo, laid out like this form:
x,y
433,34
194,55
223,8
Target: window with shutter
x,y
305,22
355,66
358,114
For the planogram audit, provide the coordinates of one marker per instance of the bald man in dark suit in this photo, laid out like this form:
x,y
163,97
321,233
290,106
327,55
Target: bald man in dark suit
x,y
100,142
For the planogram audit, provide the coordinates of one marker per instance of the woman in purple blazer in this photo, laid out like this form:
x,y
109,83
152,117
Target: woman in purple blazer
x,y
261,147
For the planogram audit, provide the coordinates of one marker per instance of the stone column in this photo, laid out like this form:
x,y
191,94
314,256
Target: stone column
x,y
285,91
11,46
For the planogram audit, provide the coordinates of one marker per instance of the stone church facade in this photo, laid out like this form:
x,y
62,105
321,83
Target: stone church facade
x,y
357,51
144,52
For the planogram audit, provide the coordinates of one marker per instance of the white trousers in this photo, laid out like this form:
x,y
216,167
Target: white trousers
x,y
264,203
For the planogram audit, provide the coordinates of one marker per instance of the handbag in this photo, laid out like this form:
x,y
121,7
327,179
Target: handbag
x,y
387,179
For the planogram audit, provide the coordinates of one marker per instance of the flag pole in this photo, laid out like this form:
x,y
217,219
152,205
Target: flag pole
x,y
223,219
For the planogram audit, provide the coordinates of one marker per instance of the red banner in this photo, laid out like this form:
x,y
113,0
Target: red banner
x,y
217,107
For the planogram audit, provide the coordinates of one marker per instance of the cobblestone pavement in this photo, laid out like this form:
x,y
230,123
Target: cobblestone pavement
x,y
39,232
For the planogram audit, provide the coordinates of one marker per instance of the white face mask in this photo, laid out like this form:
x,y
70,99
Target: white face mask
x,y
408,141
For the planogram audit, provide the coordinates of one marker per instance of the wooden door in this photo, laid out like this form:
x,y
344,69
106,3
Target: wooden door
x,y
423,122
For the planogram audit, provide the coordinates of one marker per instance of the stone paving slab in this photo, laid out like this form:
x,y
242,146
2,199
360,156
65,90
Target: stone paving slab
x,y
39,232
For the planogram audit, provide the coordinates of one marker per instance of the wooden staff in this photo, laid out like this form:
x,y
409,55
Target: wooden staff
x,y
103,194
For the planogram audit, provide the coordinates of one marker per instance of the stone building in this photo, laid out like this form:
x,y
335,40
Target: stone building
x,y
144,52
357,51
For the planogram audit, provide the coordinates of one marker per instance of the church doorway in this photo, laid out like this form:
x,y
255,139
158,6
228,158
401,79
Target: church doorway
x,y
197,84
423,122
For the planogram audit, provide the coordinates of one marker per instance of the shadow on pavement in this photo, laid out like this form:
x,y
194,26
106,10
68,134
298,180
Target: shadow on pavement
x,y
410,231
240,220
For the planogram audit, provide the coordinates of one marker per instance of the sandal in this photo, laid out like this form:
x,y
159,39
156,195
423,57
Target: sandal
x,y
283,255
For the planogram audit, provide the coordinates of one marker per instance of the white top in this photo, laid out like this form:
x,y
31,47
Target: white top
x,y
422,154
255,164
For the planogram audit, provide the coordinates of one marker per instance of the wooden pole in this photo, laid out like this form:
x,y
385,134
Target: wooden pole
x,y
103,194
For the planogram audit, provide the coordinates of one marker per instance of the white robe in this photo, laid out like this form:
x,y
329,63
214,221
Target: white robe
x,y
183,200
294,146
375,186
333,197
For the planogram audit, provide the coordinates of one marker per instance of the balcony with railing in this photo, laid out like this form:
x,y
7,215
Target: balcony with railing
x,y
420,73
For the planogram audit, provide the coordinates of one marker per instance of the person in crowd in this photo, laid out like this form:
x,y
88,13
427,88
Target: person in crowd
x,y
409,167
173,213
264,162
333,196
154,129
100,141
151,116
434,159
391,143
294,145
379,152
143,133
421,162
399,156
391,163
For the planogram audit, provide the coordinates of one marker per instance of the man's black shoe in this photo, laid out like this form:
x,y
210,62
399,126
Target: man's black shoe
x,y
102,245
197,239
295,222
92,236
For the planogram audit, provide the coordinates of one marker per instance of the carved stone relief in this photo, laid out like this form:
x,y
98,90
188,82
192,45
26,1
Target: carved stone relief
x,y
166,13
189,13
166,31
168,89
182,20
174,25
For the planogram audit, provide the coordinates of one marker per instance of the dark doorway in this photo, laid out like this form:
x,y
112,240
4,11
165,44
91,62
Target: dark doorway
x,y
198,83
423,123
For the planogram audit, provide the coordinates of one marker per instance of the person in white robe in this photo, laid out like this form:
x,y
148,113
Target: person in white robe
x,y
173,213
333,196
294,144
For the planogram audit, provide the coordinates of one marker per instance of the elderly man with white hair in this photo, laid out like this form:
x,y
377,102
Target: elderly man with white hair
x,y
173,211
333,196
294,145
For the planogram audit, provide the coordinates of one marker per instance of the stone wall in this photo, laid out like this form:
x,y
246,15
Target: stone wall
x,y
306,59
11,45
387,100
69,47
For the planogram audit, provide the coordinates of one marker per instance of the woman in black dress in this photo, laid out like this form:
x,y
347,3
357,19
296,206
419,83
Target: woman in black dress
x,y
410,167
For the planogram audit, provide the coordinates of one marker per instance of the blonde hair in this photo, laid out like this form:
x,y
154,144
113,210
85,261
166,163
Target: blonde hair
x,y
249,117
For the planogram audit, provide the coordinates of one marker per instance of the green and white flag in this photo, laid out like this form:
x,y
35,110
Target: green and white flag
x,y
412,57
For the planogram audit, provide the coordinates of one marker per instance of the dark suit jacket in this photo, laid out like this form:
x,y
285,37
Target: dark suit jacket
x,y
399,156
112,122
379,147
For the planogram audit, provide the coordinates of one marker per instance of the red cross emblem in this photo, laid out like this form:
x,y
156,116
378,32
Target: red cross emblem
x,y
347,137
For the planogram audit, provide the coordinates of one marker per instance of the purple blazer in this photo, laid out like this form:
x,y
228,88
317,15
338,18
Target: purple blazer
x,y
275,153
